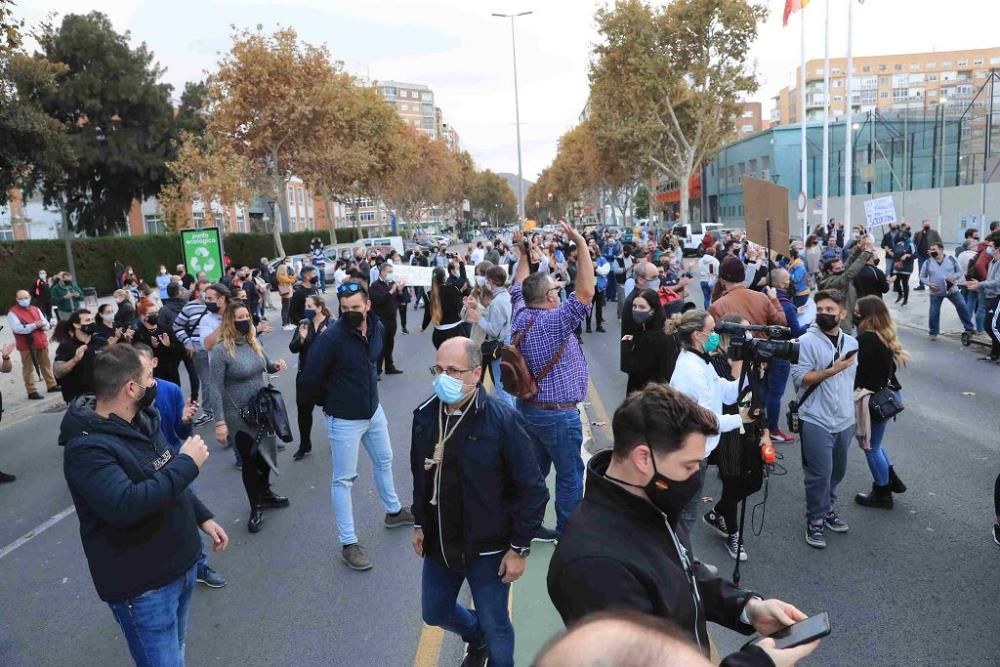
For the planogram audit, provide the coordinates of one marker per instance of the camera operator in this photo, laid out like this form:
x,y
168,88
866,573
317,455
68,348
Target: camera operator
x,y
621,548
826,369
695,377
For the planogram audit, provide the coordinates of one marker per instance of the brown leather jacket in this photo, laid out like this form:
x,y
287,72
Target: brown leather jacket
x,y
756,307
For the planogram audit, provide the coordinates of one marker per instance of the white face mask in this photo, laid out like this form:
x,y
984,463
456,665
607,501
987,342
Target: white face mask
x,y
990,250
481,281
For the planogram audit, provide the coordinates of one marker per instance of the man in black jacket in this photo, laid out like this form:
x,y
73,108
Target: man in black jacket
x,y
478,499
622,548
297,307
385,302
139,518
341,377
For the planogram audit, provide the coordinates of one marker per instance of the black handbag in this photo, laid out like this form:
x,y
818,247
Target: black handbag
x,y
884,404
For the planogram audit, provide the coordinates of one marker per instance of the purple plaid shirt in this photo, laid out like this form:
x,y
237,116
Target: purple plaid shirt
x,y
567,381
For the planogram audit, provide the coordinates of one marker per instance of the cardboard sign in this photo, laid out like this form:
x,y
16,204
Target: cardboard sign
x,y
762,201
880,211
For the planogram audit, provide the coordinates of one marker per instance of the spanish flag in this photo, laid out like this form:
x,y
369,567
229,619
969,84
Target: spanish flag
x,y
792,6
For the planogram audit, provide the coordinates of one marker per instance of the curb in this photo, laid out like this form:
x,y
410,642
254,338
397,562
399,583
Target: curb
x,y
18,415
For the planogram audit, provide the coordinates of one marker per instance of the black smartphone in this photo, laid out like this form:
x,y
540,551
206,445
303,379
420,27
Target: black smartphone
x,y
803,632
850,354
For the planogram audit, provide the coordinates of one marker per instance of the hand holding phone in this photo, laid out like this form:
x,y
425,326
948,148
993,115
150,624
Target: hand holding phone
x,y
803,632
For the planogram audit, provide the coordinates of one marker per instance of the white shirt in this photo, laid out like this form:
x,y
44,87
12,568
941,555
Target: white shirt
x,y
964,258
708,269
206,327
338,277
696,378
477,256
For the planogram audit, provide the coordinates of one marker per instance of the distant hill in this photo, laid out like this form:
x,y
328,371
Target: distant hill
x,y
512,182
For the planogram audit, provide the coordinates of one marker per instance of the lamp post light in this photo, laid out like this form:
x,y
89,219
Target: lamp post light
x,y
517,113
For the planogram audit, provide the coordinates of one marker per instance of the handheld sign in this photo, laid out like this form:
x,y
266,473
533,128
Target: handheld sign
x,y
880,211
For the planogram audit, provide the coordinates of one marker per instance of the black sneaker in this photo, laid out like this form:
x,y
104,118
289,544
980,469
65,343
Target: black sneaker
x,y
35,396
716,522
475,656
5,478
393,371
996,528
201,419
210,577
546,535
814,535
732,544
835,523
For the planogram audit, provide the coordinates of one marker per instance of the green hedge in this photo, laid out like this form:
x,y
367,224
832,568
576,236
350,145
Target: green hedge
x,y
20,261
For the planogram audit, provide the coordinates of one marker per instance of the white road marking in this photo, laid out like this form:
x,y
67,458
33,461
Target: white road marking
x,y
35,532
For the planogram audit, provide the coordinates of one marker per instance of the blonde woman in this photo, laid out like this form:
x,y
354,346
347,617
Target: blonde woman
x,y
479,298
125,315
880,354
238,364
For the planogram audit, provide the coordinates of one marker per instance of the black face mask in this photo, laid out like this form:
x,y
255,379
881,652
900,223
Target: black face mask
x,y
89,328
668,495
353,318
857,319
934,255
147,397
151,319
212,307
242,327
827,322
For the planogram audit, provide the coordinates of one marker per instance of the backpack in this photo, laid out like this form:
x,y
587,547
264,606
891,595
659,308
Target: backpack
x,y
517,378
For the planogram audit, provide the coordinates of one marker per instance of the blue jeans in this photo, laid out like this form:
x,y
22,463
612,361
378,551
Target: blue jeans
x,y
612,290
321,272
878,460
921,260
345,436
489,624
558,436
498,385
778,371
155,623
706,293
889,261
975,303
934,323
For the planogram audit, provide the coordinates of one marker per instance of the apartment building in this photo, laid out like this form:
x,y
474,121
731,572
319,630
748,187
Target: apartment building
x,y
901,82
751,120
414,102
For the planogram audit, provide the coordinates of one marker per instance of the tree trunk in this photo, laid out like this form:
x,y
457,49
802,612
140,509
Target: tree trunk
x,y
282,213
685,183
330,222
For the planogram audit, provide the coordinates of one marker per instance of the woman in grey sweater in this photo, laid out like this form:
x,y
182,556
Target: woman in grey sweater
x,y
238,364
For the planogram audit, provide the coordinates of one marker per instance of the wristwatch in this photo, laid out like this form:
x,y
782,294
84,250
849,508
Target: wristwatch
x,y
523,552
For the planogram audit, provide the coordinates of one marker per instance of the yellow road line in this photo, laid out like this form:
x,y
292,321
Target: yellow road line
x,y
429,647
598,413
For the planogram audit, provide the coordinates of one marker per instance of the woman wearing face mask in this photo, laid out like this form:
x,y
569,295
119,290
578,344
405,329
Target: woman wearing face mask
x,y
106,322
902,265
650,353
162,281
479,298
444,310
318,316
125,316
238,364
880,353
737,457
166,353
695,376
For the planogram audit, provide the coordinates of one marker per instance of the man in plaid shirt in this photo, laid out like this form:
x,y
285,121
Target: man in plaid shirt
x,y
552,415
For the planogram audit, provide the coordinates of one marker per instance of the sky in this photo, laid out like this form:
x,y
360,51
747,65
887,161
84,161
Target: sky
x,y
464,54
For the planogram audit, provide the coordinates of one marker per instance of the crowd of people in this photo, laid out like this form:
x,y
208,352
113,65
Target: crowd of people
x,y
509,322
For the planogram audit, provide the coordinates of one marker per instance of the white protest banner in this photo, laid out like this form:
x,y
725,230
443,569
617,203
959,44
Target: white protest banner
x,y
881,211
414,276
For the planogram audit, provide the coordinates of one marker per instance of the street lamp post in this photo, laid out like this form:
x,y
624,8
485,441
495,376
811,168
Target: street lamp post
x,y
944,127
517,114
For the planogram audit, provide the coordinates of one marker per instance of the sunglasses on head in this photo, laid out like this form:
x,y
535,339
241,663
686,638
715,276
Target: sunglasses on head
x,y
348,288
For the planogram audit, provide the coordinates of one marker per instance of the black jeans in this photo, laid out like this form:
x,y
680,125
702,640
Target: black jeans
x,y
256,472
402,315
285,304
192,372
390,343
304,410
734,489
599,305
903,285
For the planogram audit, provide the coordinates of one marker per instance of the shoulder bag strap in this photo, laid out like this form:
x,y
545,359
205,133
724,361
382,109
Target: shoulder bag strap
x,y
552,363
519,336
809,390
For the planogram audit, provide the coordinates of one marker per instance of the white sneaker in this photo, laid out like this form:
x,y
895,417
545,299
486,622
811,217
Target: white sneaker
x,y
289,327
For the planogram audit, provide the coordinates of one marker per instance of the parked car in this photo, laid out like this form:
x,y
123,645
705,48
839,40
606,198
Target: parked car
x,y
692,235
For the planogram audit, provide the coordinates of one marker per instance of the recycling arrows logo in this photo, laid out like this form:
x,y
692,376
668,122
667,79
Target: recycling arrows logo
x,y
202,260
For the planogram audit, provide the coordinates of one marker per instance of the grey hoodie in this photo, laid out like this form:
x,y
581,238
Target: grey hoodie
x,y
831,405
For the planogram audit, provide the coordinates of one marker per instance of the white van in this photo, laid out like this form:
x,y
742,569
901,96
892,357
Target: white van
x,y
692,235
383,243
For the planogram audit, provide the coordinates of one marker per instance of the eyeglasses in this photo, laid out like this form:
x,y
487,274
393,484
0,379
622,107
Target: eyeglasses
x,y
453,372
348,288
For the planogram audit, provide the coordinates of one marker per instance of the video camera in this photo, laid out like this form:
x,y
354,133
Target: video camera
x,y
777,345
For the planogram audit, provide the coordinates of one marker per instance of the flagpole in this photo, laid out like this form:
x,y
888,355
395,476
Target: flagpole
x,y
848,129
825,192
802,116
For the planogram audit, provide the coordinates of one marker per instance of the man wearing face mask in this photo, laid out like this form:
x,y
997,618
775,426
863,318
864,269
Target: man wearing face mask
x,y
66,296
941,275
826,369
478,499
41,294
341,377
297,307
139,517
622,549
74,361
385,302
29,326
922,241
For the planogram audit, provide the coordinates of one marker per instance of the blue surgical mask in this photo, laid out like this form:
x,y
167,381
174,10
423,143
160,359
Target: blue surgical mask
x,y
653,284
641,316
448,389
712,344
389,278
24,303
310,313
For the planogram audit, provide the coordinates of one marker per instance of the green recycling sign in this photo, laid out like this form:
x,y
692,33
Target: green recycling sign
x,y
203,252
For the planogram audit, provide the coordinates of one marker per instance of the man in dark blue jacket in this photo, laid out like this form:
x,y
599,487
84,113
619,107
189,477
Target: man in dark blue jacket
x,y
778,370
138,517
478,499
341,376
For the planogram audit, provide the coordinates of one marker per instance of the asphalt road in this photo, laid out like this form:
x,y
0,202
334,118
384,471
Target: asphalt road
x,y
914,586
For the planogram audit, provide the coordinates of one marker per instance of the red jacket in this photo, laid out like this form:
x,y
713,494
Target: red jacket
x,y
36,339
982,265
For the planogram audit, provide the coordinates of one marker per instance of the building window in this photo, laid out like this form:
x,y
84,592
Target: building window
x,y
931,65
428,123
897,67
198,220
301,198
747,128
748,113
963,62
6,228
389,91
977,61
995,60
883,68
838,98
884,94
945,63
866,68
835,70
753,166
914,66
154,224
839,83
931,77
428,109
